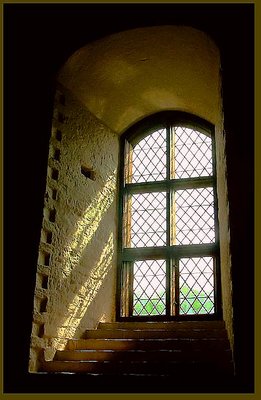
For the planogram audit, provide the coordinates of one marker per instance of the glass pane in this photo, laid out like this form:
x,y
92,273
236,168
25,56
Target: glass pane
x,y
149,287
196,285
148,220
193,216
192,153
146,161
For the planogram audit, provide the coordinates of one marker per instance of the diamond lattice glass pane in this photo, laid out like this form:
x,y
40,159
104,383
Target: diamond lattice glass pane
x,y
193,153
193,219
148,161
196,285
148,220
149,287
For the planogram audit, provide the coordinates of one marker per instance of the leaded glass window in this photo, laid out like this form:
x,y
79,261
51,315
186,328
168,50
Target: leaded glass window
x,y
169,256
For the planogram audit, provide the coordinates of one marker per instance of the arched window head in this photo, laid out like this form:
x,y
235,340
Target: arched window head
x,y
169,251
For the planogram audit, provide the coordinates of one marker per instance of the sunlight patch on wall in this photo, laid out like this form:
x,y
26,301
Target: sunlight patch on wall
x,y
88,225
85,296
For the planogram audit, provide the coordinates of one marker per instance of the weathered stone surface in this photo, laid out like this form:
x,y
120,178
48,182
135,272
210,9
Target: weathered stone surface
x,y
81,267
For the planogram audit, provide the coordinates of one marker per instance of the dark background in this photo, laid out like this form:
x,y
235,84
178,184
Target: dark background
x,y
38,39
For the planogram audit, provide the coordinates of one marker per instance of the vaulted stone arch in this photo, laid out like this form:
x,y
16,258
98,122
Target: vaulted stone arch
x,y
135,73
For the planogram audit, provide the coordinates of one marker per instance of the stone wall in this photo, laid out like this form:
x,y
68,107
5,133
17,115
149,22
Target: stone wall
x,y
76,275
224,230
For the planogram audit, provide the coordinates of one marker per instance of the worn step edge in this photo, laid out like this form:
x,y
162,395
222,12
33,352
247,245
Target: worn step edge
x,y
139,343
170,325
154,333
142,355
200,369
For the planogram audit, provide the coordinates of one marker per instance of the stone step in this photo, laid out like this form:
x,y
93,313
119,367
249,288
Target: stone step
x,y
170,325
209,344
182,350
219,355
154,333
199,370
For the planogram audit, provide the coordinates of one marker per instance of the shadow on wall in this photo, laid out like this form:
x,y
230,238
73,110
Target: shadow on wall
x,y
75,286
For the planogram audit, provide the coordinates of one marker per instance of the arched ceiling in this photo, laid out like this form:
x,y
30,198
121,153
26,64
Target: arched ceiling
x,y
129,75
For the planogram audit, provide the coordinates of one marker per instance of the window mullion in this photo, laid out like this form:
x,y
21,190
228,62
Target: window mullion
x,y
168,287
130,288
168,223
168,205
176,283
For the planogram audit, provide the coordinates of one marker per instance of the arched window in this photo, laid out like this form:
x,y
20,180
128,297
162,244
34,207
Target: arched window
x,y
169,250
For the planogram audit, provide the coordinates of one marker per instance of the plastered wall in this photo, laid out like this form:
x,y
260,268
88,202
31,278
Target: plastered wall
x,y
126,76
104,88
76,276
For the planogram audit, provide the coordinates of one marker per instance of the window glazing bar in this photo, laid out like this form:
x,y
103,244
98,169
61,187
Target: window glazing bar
x,y
173,184
132,254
